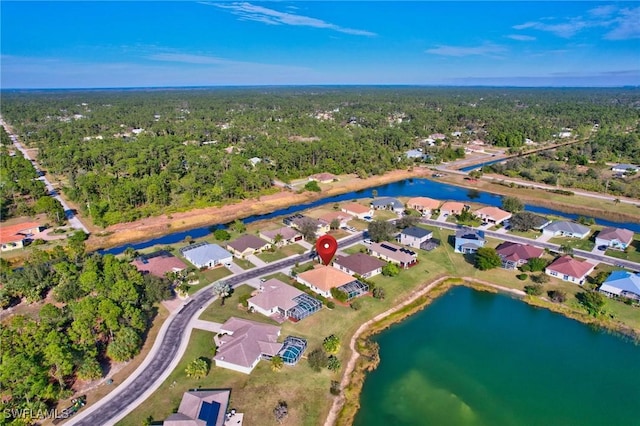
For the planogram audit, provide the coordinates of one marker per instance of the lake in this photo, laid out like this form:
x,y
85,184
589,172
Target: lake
x,y
405,188
475,358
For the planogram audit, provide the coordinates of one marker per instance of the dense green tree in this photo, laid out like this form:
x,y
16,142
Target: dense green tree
x,y
198,368
487,258
317,359
390,270
512,204
331,344
381,230
592,301
313,186
125,345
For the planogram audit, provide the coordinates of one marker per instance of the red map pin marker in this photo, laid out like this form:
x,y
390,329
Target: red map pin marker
x,y
326,246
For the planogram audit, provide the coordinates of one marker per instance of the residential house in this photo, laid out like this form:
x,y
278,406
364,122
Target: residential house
x,y
388,203
287,236
424,205
452,208
357,210
246,245
566,229
414,154
514,255
323,177
243,343
321,279
206,255
438,136
15,236
158,263
203,407
569,269
280,300
401,256
254,161
342,218
493,214
625,168
359,264
616,238
623,284
322,227
468,240
414,236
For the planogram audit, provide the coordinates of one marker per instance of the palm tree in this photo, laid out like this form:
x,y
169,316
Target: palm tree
x,y
617,201
278,239
277,363
566,249
222,290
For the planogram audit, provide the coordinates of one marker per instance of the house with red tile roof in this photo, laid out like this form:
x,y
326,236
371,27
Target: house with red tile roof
x,y
323,177
357,210
158,263
493,214
14,236
569,269
514,255
424,205
452,208
342,217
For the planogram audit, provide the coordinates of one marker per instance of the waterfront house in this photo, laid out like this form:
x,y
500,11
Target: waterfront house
x,y
493,214
388,203
15,236
401,256
342,218
569,269
357,210
424,205
414,236
206,255
204,407
623,284
158,263
287,236
359,264
452,208
322,227
246,245
281,301
615,238
323,177
468,240
514,255
625,168
243,343
565,228
414,154
321,279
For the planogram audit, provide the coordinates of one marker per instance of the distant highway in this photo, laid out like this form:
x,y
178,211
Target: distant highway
x,y
73,220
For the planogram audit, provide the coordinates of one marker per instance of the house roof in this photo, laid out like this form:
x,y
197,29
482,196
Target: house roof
x,y
620,234
275,293
325,277
386,201
414,153
393,251
470,234
452,206
515,252
323,176
286,232
202,408
356,208
246,341
158,263
626,167
423,202
566,226
299,221
359,263
17,232
495,213
619,281
414,231
329,217
246,241
204,252
567,265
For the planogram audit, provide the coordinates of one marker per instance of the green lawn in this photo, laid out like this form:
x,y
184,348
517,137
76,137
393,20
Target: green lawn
x,y
243,263
211,275
281,253
575,243
359,224
339,233
356,248
384,215
632,253
220,313
279,276
532,234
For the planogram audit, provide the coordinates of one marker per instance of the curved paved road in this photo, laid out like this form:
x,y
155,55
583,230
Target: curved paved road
x,y
118,402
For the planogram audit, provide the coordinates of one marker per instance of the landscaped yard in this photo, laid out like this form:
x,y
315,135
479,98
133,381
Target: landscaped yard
x,y
575,243
532,234
338,233
384,215
281,253
220,313
357,248
359,224
211,275
632,253
243,263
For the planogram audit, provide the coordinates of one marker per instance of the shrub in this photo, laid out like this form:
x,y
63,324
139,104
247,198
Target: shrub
x,y
313,186
522,277
331,344
540,278
333,363
244,299
557,296
356,305
335,388
221,235
317,359
379,293
533,289
339,295
330,304
390,270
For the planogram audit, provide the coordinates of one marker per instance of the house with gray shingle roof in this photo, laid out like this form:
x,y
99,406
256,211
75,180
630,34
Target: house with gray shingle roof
x,y
625,168
616,238
202,407
388,203
566,229
246,245
414,236
622,283
205,255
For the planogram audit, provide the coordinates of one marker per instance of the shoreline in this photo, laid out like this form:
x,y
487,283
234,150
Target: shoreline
x,y
364,353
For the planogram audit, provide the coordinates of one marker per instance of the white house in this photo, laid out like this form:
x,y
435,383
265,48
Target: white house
x,y
625,168
281,301
205,255
414,236
569,269
357,210
622,283
566,229
616,238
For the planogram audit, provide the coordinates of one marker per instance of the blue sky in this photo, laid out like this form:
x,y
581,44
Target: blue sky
x,y
80,44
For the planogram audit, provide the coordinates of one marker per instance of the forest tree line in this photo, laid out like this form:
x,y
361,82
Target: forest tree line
x,y
129,154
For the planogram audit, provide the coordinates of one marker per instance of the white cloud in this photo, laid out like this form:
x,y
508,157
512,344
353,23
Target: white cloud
x,y
486,49
186,58
250,12
521,37
622,24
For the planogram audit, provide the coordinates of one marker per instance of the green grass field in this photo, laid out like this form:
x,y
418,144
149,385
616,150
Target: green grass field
x,y
575,243
281,253
632,253
243,263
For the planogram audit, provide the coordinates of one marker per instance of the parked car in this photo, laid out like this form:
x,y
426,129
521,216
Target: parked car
x,y
367,241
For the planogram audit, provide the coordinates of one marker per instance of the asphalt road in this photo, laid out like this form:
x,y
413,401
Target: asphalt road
x,y
113,405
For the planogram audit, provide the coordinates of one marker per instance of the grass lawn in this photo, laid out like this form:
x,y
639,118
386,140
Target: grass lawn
x,y
632,253
359,224
220,313
279,276
338,233
356,248
281,253
243,263
211,275
532,234
384,215
575,243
